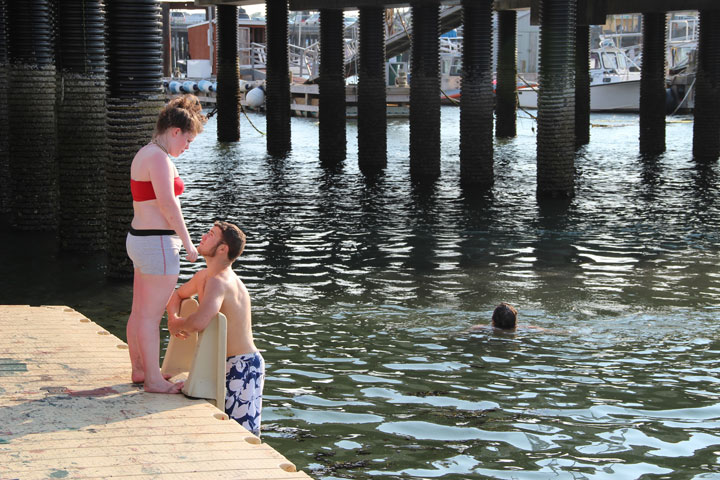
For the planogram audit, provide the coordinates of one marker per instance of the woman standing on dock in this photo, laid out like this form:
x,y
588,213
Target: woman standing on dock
x,y
156,233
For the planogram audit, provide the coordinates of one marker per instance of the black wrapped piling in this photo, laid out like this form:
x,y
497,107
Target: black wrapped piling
x,y
81,122
277,83
505,90
372,109
582,85
556,99
706,129
31,106
425,92
167,39
332,136
134,49
5,184
652,84
228,75
476,103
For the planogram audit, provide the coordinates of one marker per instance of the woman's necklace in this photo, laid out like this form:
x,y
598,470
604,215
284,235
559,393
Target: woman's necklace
x,y
160,146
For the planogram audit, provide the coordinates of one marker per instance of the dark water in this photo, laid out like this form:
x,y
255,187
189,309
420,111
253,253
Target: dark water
x,y
364,292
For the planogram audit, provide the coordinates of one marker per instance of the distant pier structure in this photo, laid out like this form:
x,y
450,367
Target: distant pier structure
x,y
564,90
81,86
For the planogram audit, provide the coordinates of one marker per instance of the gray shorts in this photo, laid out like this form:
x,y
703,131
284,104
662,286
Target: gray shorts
x,y
154,252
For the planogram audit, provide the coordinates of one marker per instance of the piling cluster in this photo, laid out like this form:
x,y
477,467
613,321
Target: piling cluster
x,y
31,133
134,100
82,136
5,187
85,78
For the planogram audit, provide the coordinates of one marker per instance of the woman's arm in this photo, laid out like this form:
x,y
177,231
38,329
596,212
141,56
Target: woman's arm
x,y
162,176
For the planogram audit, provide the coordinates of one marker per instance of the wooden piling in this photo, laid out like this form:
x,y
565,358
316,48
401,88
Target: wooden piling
x,y
372,110
652,84
506,97
476,103
556,100
706,130
277,83
228,75
425,92
582,85
331,135
5,184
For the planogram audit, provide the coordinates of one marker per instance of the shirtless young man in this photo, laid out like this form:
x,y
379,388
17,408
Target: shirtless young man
x,y
220,290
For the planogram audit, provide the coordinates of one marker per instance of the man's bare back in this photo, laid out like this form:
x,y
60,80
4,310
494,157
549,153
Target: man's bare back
x,y
235,306
219,290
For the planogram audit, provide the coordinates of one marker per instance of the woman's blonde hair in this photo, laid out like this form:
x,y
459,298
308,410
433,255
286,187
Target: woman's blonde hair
x,y
183,112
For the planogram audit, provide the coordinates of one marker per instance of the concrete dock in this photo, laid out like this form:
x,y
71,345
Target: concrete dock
x,y
68,410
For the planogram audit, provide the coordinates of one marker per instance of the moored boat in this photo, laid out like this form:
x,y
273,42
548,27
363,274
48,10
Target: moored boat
x,y
614,83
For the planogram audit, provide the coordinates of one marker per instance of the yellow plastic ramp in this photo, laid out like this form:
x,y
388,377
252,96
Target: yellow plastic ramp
x,y
180,353
203,358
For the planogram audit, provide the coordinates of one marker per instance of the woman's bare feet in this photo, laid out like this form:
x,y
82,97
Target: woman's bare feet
x,y
139,377
163,387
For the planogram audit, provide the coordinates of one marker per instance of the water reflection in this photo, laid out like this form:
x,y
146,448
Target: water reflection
x,y
364,289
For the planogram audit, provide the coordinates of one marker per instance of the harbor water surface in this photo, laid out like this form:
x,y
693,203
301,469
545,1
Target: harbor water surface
x,y
366,292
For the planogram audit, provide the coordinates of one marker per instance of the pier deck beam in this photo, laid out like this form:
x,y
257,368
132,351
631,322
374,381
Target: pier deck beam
x,y
332,136
31,106
506,98
706,129
652,84
277,83
372,109
556,99
476,102
582,85
425,91
228,75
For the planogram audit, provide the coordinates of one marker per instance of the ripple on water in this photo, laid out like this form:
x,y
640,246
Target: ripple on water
x,y
365,291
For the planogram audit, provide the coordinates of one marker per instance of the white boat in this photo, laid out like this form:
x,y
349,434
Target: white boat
x,y
614,83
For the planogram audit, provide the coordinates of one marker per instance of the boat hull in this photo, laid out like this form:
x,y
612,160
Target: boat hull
x,y
605,97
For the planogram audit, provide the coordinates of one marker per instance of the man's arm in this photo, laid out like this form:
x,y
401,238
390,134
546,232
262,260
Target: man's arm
x,y
186,290
212,300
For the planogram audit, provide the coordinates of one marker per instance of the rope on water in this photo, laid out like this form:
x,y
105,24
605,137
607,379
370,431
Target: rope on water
x,y
242,109
687,94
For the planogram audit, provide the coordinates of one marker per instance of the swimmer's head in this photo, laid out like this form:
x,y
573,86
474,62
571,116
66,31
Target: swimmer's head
x,y
505,317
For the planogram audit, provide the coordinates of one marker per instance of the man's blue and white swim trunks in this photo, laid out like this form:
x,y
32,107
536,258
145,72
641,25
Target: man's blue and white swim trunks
x,y
244,381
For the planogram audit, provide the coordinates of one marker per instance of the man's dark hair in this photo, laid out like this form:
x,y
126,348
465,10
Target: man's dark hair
x,y
504,316
233,237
